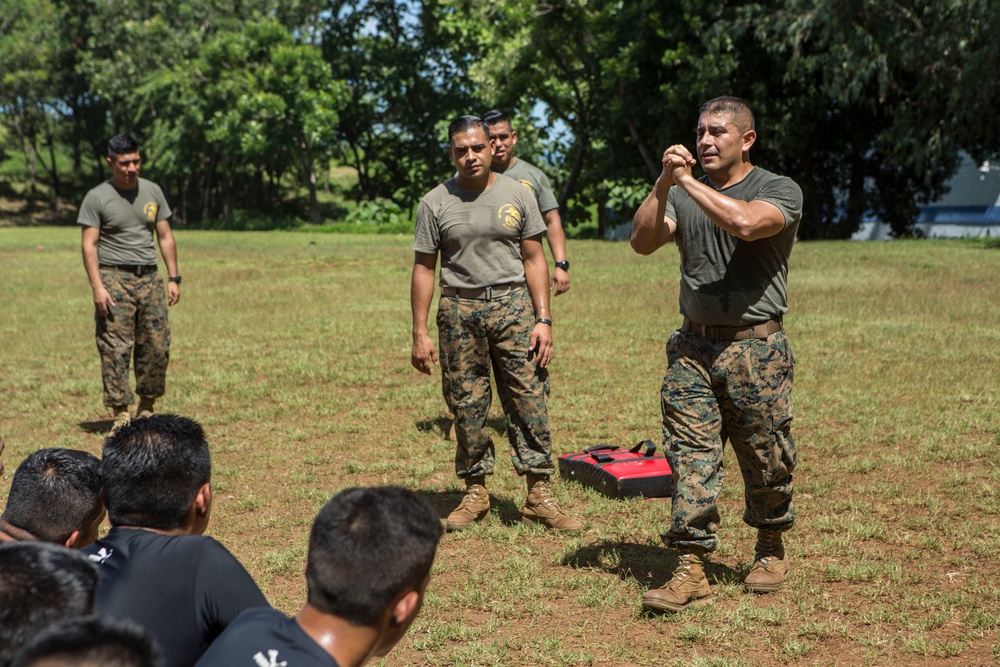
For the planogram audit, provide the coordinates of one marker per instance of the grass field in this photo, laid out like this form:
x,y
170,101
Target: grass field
x,y
293,351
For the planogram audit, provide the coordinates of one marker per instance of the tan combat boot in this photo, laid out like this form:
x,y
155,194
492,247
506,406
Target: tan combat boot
x,y
769,568
121,416
540,507
688,587
145,406
474,506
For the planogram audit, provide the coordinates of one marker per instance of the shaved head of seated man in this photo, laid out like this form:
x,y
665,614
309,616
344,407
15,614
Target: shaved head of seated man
x,y
55,496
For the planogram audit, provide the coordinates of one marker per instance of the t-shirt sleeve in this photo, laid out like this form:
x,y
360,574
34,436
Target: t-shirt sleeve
x,y
534,224
164,211
784,193
546,197
426,238
90,211
224,589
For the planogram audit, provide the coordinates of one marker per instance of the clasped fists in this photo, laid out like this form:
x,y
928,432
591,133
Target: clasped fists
x,y
677,162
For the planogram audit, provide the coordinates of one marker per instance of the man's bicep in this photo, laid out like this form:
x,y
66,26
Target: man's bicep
x,y
426,260
769,219
90,237
531,247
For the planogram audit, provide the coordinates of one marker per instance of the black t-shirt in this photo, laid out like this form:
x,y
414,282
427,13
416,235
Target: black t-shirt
x,y
184,589
265,638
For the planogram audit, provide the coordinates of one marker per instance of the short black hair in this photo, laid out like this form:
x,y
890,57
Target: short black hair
x,y
152,468
40,584
92,641
464,123
122,144
737,108
494,116
54,492
367,546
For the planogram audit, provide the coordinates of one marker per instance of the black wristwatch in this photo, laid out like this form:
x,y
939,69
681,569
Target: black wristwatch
x,y
175,279
564,265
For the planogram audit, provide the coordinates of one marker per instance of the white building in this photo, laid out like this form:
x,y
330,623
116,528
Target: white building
x,y
970,209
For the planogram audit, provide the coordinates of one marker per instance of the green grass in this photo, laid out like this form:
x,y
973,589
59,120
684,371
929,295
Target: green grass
x,y
293,350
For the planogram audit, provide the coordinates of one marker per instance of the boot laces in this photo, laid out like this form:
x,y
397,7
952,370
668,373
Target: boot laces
x,y
545,497
768,546
471,495
681,572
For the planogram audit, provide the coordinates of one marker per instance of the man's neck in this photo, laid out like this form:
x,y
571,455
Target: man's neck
x,y
350,645
124,188
510,164
15,534
476,185
180,530
724,179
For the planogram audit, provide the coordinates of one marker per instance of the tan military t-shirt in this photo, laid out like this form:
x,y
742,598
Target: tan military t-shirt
x,y
478,234
534,178
126,219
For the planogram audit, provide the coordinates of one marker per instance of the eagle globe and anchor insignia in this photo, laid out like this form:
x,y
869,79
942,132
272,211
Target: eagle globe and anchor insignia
x,y
510,217
150,209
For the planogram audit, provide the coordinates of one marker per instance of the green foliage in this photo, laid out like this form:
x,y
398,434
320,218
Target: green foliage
x,y
379,212
867,103
403,89
885,95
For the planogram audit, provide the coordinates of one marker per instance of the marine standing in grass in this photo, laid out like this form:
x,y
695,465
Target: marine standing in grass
x,y
493,311
730,366
118,219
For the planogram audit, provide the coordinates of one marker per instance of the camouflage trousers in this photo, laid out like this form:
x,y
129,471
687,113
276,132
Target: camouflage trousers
x,y
738,391
473,337
135,326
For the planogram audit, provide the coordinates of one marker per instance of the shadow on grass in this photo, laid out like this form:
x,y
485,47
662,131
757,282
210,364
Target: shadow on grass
x,y
505,510
648,564
442,425
99,426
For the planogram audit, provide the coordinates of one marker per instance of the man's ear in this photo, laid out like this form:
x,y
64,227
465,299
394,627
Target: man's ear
x,y
203,500
749,137
406,608
71,540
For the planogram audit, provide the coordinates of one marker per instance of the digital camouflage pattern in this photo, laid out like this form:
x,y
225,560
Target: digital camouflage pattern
x,y
473,337
738,391
136,326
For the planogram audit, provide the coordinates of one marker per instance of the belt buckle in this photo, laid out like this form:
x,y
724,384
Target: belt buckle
x,y
489,293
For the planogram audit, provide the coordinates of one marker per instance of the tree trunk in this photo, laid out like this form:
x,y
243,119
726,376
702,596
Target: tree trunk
x,y
54,173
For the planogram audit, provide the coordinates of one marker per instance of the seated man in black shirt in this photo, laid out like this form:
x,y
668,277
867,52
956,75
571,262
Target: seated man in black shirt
x,y
55,496
370,555
156,566
40,584
91,641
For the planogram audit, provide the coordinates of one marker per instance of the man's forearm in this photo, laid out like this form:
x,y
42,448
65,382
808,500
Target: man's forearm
x,y
748,221
421,294
649,231
91,264
555,234
168,247
536,274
